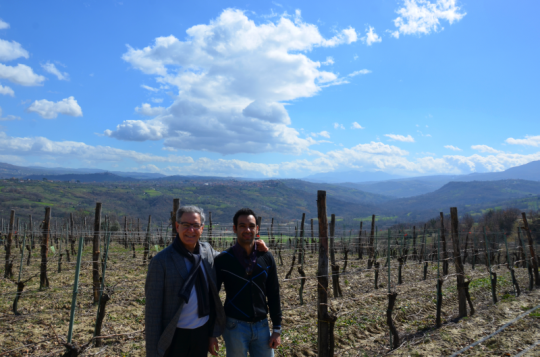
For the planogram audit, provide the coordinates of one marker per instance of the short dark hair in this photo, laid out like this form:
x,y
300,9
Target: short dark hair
x,y
243,212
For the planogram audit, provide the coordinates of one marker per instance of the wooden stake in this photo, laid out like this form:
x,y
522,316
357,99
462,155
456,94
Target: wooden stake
x,y
43,279
531,249
95,252
326,321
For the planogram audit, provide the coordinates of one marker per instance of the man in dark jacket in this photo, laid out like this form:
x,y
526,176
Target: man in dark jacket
x,y
183,309
252,290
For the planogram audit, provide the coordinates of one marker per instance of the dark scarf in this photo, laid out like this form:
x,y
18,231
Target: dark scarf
x,y
196,277
248,262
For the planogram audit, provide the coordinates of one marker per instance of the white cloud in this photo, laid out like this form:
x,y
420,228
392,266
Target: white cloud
x,y
452,147
485,148
3,25
371,37
157,100
50,110
329,60
528,141
8,117
147,110
11,50
355,57
423,16
323,133
355,125
356,73
151,89
21,74
338,126
59,151
51,68
234,78
497,162
5,90
405,139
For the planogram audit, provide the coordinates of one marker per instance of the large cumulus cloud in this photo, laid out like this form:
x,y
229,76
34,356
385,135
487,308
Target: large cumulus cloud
x,y
233,78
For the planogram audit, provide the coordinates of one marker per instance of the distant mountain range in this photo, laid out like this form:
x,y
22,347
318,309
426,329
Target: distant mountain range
x,y
350,176
375,187
8,171
410,187
101,177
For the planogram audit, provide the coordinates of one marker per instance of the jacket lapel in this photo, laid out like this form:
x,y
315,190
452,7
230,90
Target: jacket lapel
x,y
179,263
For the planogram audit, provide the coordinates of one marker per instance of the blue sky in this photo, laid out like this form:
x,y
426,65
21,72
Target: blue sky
x,y
270,89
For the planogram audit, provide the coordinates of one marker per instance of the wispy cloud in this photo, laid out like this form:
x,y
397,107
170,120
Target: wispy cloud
x,y
151,89
486,149
452,147
355,125
338,126
51,68
528,141
405,139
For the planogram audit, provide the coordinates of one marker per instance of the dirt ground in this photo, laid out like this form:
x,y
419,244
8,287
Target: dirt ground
x,y
360,330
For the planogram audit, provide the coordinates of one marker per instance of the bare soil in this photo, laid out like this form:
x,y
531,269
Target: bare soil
x,y
360,330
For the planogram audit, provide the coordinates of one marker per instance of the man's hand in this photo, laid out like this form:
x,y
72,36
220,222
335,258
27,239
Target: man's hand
x,y
261,246
275,340
213,346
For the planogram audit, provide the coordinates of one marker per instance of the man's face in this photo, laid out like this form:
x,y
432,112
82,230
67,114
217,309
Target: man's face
x,y
189,229
246,230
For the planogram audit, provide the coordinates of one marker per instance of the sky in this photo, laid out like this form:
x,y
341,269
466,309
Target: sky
x,y
270,88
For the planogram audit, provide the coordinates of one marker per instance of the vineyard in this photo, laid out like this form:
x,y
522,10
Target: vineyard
x,y
74,286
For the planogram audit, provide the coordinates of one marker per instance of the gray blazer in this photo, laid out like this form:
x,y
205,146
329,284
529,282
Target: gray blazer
x,y
165,279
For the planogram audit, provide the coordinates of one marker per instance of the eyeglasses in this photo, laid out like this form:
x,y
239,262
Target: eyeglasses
x,y
186,225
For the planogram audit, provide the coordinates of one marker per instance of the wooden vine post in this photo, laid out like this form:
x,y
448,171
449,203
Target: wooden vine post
x,y
95,252
462,285
371,241
8,272
176,206
325,320
43,279
210,240
531,249
445,252
147,240
334,266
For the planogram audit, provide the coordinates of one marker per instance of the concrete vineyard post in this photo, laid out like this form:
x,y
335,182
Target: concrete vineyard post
x,y
325,320
75,290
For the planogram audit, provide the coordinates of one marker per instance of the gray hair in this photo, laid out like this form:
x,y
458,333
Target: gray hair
x,y
190,209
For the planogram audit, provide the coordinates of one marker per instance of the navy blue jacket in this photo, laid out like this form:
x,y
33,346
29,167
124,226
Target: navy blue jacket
x,y
249,298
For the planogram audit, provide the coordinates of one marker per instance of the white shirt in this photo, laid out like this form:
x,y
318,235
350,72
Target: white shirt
x,y
189,317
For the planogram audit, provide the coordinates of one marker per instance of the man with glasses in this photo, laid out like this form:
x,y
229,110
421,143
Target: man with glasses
x,y
252,290
183,308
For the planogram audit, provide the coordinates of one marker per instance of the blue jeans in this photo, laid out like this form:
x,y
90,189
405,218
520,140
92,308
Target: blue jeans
x,y
241,337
